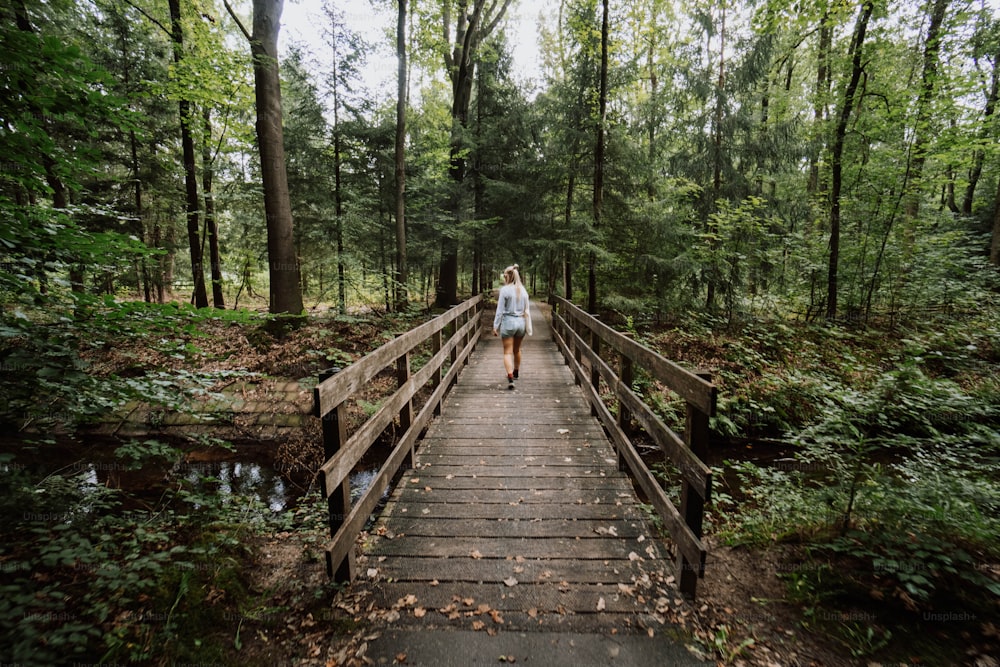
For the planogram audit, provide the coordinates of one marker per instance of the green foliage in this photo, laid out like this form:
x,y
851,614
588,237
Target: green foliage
x,y
86,576
901,477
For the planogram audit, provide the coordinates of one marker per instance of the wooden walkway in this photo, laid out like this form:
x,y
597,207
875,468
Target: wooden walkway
x,y
516,516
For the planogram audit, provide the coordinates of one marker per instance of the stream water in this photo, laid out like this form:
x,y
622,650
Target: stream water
x,y
249,470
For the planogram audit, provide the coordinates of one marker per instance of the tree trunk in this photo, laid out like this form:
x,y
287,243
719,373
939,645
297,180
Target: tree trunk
x,y
836,179
401,295
820,105
922,131
283,266
980,154
568,257
712,274
471,29
995,246
211,225
141,226
200,296
338,198
602,115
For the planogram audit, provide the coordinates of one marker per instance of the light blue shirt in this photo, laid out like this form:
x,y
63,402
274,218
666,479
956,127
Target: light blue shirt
x,y
510,303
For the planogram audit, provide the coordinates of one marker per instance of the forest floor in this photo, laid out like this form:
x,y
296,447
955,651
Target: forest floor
x,y
745,614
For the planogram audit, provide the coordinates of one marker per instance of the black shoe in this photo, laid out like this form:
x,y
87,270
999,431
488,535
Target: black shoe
x,y
510,382
515,373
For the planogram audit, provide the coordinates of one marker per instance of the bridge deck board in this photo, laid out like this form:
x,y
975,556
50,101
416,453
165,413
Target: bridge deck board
x,y
516,501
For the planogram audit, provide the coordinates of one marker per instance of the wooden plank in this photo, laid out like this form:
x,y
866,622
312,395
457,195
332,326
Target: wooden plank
x,y
521,431
506,496
574,485
518,511
546,598
569,528
475,548
425,569
538,459
539,446
523,470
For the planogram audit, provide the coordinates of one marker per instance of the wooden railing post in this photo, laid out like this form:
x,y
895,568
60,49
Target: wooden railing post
x,y
406,412
339,499
436,343
627,377
452,331
575,325
696,434
595,371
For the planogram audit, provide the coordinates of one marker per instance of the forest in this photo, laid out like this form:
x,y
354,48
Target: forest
x,y
801,197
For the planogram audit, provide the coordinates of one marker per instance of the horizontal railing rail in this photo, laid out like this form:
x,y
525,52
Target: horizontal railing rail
x,y
580,337
343,451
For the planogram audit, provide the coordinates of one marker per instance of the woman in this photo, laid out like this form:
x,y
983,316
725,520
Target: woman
x,y
512,321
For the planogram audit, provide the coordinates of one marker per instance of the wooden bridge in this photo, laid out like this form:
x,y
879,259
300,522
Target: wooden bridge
x,y
516,511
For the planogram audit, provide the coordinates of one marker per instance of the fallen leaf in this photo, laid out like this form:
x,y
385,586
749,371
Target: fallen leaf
x,y
475,554
633,556
419,612
510,581
533,612
496,616
401,658
562,431
415,480
600,604
478,625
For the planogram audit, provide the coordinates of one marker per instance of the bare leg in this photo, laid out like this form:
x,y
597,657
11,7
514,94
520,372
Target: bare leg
x,y
508,354
516,353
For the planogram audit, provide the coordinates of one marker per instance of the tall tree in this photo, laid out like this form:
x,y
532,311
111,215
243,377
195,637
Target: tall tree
x,y
401,293
602,116
200,296
837,152
211,224
922,131
988,47
283,263
460,52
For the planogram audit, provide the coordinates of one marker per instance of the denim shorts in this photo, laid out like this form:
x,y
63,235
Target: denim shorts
x,y
512,325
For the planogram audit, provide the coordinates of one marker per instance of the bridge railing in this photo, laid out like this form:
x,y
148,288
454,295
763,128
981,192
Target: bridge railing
x,y
581,337
452,336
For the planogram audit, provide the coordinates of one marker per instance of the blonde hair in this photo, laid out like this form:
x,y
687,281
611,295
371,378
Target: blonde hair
x,y
511,275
